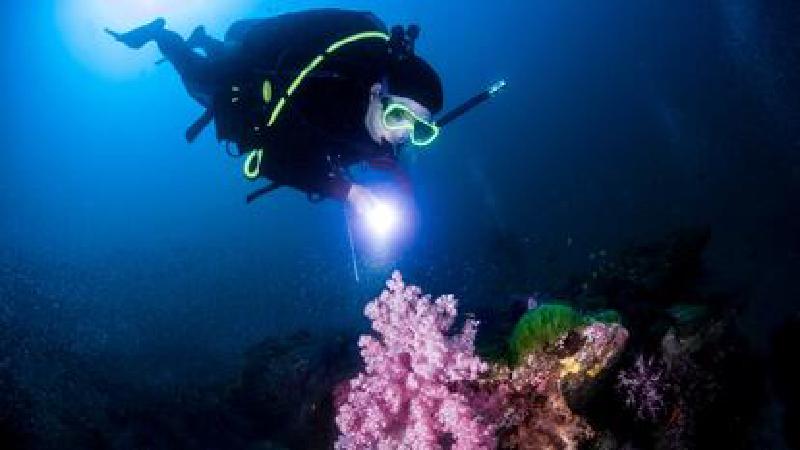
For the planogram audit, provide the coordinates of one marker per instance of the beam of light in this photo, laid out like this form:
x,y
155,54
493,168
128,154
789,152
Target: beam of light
x,y
382,219
382,231
81,23
382,227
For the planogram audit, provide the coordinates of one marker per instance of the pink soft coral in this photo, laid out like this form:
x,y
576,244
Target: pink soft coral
x,y
408,395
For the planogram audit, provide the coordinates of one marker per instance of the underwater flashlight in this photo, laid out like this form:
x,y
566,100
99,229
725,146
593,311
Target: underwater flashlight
x,y
381,219
380,224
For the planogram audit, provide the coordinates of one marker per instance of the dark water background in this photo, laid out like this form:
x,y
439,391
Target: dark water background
x,y
124,247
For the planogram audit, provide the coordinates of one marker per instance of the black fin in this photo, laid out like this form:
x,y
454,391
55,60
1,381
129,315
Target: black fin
x,y
137,37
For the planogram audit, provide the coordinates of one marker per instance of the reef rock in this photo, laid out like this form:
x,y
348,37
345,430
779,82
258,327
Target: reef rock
x,y
534,396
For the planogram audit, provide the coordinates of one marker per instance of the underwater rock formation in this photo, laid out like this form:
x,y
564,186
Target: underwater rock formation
x,y
285,387
785,345
646,283
660,270
715,384
536,394
704,384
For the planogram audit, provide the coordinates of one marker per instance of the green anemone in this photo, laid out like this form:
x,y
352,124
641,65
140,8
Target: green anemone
x,y
542,326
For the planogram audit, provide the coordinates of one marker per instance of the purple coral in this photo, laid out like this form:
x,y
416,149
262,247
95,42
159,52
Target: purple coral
x,y
643,388
407,395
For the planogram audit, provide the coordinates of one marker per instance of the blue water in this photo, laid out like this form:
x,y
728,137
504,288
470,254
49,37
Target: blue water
x,y
126,249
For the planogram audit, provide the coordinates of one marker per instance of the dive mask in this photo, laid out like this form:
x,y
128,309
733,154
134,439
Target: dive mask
x,y
397,116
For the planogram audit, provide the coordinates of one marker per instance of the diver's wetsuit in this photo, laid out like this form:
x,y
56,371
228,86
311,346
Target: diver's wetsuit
x,y
320,130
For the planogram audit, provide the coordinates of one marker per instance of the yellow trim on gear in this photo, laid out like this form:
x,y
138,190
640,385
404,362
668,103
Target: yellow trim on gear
x,y
313,65
266,91
276,111
357,37
303,74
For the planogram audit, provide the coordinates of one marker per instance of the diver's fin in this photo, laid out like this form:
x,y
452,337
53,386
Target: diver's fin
x,y
263,191
137,37
195,40
194,129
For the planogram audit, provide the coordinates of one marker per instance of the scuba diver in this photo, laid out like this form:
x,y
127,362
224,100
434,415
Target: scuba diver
x,y
307,95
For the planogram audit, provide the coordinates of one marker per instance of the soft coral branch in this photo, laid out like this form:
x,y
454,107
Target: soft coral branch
x,y
405,396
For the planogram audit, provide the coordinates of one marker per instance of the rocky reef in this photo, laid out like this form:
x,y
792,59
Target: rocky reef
x,y
689,375
635,353
536,394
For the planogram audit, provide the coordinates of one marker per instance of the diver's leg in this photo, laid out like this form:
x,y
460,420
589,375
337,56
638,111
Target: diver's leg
x,y
191,66
213,48
198,73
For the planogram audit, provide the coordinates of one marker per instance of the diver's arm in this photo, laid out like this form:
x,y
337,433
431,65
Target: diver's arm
x,y
322,182
338,187
390,165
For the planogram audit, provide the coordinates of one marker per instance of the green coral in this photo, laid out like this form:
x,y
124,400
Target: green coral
x,y
542,326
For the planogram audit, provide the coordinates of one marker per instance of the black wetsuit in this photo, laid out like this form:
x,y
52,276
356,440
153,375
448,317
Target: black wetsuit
x,y
320,130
